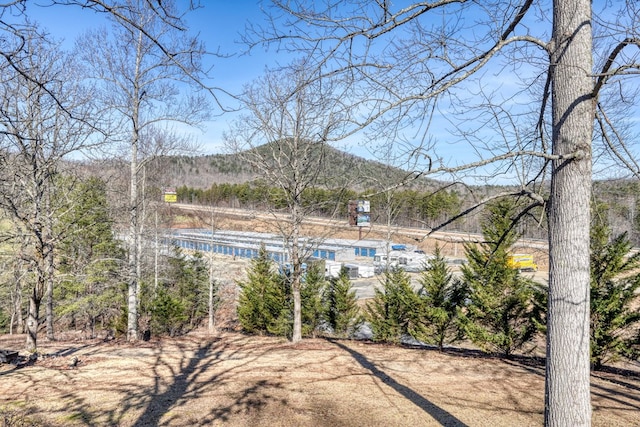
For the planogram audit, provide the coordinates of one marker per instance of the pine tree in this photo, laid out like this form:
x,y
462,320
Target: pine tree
x,y
311,299
615,320
263,303
505,309
393,312
168,313
180,302
193,288
91,260
341,310
441,297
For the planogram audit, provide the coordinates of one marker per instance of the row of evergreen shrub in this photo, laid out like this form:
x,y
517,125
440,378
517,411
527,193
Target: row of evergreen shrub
x,y
490,304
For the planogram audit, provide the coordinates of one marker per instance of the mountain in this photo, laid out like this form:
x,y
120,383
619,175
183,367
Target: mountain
x,y
622,197
202,171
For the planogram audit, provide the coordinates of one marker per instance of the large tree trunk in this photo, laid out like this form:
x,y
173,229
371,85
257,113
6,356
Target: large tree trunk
x,y
50,314
296,263
134,214
297,310
33,316
132,297
38,292
567,396
295,286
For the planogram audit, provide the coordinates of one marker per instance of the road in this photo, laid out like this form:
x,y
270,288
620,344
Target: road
x,y
364,287
414,233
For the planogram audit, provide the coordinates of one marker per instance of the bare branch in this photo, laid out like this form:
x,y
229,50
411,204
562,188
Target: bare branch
x,y
629,162
538,201
443,169
128,16
607,72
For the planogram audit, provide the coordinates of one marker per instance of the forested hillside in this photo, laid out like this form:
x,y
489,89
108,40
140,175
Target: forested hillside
x,y
227,180
201,172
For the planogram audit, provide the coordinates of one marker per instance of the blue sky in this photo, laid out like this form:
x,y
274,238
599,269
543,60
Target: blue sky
x,y
219,24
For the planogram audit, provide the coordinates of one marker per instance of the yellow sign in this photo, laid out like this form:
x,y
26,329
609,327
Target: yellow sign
x,y
170,197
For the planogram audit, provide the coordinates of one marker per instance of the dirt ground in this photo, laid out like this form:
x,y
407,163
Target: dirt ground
x,y
232,379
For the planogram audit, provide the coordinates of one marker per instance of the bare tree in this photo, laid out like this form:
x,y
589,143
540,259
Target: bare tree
x,y
211,221
43,118
148,22
146,69
490,71
284,137
14,274
134,14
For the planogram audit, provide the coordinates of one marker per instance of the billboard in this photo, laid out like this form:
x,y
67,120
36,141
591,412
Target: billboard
x,y
170,195
363,220
364,206
359,213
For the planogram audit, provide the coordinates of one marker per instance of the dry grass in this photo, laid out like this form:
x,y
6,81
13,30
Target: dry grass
x,y
236,380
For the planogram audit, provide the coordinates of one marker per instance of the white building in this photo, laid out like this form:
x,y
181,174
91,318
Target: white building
x,y
407,258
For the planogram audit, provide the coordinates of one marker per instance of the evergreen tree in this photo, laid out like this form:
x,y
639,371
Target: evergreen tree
x,y
91,261
193,287
180,302
263,303
341,310
505,309
311,298
441,297
615,320
168,313
393,312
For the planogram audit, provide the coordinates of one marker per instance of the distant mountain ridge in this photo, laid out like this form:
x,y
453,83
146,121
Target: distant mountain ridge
x,y
622,197
204,170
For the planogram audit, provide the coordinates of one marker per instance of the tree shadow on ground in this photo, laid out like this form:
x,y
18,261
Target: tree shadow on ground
x,y
439,414
627,381
187,383
162,402
155,380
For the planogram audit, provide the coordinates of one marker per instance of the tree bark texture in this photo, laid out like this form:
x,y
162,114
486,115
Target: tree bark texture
x,y
33,316
567,393
134,214
296,273
132,297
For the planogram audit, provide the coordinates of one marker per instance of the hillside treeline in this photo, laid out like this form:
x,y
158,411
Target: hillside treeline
x,y
235,185
407,207
415,207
